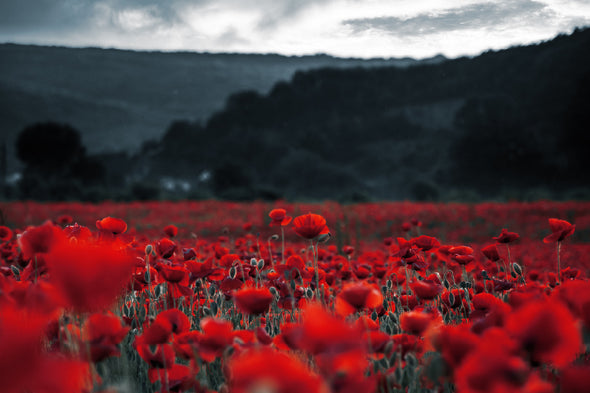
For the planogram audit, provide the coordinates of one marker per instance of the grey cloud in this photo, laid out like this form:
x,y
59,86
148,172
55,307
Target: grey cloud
x,y
59,15
475,16
280,11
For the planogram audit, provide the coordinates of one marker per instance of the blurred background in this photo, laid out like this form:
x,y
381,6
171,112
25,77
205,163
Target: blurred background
x,y
298,100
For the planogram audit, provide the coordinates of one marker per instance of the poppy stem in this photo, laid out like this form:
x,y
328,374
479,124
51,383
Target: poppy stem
x,y
272,262
317,274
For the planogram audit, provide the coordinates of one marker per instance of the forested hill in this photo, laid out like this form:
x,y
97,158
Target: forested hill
x,y
509,121
120,98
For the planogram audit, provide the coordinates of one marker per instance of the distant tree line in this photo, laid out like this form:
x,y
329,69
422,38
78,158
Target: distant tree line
x,y
519,129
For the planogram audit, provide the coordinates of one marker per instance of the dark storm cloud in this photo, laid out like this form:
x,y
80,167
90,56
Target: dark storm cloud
x,y
474,16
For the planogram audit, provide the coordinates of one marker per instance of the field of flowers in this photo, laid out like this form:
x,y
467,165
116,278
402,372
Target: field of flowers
x,y
281,297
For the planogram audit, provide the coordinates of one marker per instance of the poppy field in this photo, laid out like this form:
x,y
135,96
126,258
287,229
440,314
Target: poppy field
x,y
285,298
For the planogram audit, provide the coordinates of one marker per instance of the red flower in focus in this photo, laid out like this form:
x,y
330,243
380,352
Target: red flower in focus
x,y
267,370
253,301
165,247
506,237
5,233
111,225
279,217
356,297
310,226
560,228
171,230
547,331
89,275
39,240
102,333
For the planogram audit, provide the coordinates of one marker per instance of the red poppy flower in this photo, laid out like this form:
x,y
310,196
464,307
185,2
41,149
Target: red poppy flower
x,y
165,247
265,370
560,228
77,231
217,335
426,289
20,345
322,332
176,378
102,333
547,331
111,225
506,237
491,252
575,379
39,240
171,230
425,243
356,297
89,275
64,219
162,356
416,322
253,301
279,217
5,233
453,342
491,368
405,343
310,226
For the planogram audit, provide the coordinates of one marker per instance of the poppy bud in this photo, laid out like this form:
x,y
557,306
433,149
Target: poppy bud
x,y
389,284
388,347
253,262
374,316
15,271
446,284
148,249
273,291
517,268
309,293
232,272
274,237
260,264
324,237
484,274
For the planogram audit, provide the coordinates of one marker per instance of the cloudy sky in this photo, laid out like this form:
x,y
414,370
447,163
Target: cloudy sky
x,y
349,28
